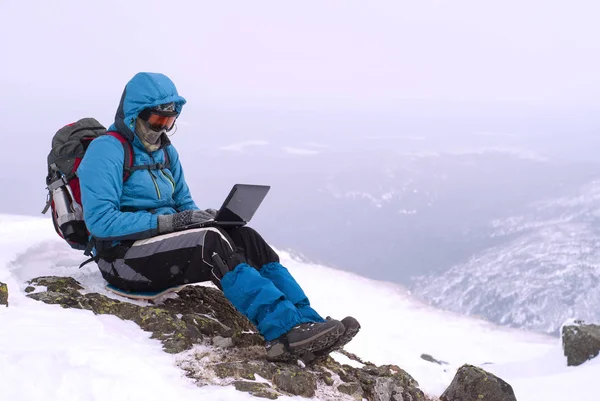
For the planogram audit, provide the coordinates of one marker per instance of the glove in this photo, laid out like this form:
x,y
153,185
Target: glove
x,y
168,223
212,212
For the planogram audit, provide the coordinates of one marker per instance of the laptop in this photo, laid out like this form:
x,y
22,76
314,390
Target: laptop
x,y
238,208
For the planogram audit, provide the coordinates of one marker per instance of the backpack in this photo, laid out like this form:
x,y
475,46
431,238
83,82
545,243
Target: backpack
x,y
69,145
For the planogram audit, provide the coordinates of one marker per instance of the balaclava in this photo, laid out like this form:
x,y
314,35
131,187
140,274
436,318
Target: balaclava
x,y
151,138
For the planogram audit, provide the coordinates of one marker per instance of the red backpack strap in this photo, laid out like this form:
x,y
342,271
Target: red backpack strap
x,y
128,149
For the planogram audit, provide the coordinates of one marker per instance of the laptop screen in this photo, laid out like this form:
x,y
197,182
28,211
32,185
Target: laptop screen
x,y
242,203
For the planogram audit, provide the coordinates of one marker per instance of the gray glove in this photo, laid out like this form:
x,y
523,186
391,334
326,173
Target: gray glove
x,y
168,223
212,212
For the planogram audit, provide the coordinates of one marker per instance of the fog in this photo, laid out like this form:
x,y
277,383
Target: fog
x,y
392,132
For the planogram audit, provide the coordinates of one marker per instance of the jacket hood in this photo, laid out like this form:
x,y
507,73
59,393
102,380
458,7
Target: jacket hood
x,y
144,90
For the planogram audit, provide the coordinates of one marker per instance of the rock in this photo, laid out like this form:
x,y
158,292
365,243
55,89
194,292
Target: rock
x,y
288,378
352,389
63,285
475,384
326,378
387,389
296,382
232,353
581,342
429,358
247,339
177,323
260,390
3,294
243,370
222,342
380,383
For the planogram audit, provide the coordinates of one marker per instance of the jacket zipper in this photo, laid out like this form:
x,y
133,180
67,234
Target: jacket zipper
x,y
168,177
155,183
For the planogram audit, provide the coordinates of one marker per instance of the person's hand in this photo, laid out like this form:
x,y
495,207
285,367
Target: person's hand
x,y
168,223
204,215
213,212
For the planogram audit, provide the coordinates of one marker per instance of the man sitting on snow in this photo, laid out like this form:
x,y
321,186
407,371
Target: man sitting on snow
x,y
140,248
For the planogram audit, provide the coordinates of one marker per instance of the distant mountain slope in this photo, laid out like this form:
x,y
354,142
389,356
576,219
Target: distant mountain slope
x,y
547,268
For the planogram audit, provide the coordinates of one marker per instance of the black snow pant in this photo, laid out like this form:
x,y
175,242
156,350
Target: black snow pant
x,y
181,257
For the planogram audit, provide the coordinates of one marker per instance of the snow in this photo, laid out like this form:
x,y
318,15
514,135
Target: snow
x,y
50,353
394,137
300,151
542,270
242,145
524,154
318,145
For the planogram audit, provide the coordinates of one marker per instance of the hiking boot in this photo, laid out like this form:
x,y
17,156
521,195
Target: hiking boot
x,y
352,327
304,338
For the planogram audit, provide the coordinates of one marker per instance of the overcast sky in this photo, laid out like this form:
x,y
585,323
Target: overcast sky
x,y
67,59
525,51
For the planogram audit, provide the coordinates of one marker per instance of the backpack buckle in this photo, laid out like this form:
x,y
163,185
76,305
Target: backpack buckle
x,y
48,203
61,182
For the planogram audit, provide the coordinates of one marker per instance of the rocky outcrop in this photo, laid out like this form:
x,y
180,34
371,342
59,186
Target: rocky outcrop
x,y
3,294
475,384
231,352
581,342
198,314
327,380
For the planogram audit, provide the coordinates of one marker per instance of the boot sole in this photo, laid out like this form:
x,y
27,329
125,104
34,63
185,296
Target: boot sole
x,y
319,356
327,338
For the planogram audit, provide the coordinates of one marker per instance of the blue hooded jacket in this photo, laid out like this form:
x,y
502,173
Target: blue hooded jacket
x,y
116,210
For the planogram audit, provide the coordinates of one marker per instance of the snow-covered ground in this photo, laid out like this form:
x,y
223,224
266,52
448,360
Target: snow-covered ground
x,y
50,353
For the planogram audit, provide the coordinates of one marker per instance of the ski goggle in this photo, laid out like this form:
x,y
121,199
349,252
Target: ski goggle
x,y
158,121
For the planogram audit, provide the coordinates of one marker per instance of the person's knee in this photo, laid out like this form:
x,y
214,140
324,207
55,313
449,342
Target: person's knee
x,y
249,232
215,242
256,250
221,255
